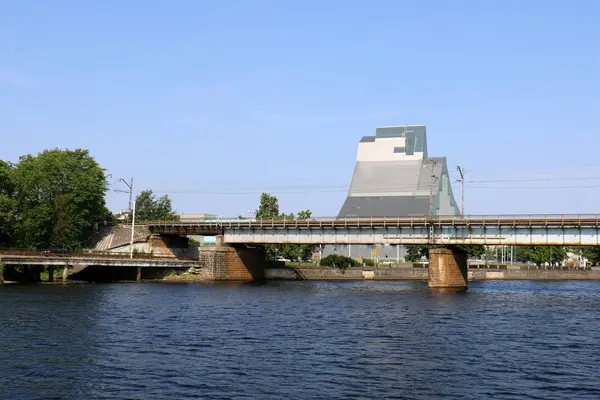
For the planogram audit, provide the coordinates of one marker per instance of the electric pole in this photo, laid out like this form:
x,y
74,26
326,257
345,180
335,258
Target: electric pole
x,y
461,171
432,182
130,186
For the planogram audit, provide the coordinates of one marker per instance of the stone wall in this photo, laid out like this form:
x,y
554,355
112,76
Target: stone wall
x,y
421,274
534,274
312,273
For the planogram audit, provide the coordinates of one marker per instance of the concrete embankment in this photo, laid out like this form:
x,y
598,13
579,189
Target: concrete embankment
x,y
420,274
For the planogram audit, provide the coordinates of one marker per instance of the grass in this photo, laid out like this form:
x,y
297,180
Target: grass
x,y
296,264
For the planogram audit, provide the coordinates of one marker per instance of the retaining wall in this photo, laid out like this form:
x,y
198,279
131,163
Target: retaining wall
x,y
421,274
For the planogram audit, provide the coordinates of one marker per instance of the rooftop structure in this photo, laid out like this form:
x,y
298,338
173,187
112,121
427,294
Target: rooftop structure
x,y
395,177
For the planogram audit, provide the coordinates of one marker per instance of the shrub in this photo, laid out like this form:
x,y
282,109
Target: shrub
x,y
369,262
338,261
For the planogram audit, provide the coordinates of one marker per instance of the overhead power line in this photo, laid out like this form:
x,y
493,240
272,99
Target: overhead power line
x,y
345,190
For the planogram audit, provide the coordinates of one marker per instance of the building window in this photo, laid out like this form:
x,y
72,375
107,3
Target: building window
x,y
399,149
410,143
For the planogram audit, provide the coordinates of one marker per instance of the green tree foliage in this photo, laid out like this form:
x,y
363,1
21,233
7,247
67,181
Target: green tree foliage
x,y
7,204
57,197
541,254
414,253
592,253
150,208
338,261
268,207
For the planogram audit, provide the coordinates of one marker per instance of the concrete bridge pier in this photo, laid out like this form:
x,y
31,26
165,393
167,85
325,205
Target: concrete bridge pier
x,y
1,273
448,270
51,273
138,275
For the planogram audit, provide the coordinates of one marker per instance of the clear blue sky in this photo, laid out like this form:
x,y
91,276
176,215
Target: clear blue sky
x,y
200,98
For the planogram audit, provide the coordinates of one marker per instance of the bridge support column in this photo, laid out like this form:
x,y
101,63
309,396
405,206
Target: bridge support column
x,y
1,273
50,273
138,276
229,263
447,270
25,273
65,273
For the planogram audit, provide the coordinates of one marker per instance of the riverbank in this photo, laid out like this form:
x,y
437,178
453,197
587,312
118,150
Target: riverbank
x,y
398,272
420,274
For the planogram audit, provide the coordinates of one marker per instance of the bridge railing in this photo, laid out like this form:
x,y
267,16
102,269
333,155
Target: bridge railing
x,y
76,254
504,219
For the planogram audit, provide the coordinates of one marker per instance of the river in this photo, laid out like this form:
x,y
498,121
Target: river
x,y
300,340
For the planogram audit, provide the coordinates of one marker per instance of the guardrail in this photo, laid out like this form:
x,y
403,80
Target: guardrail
x,y
80,254
521,219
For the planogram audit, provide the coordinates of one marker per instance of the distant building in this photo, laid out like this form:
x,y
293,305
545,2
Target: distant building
x,y
196,217
395,177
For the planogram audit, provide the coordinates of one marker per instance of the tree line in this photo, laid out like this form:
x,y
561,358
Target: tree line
x,y
56,199
51,200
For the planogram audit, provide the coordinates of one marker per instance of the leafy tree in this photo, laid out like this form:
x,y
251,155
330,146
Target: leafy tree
x,y
414,253
472,250
193,242
541,254
7,204
305,251
59,196
338,261
268,208
150,208
592,253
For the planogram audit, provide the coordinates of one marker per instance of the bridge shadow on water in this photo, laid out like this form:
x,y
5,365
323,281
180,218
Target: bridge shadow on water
x,y
116,274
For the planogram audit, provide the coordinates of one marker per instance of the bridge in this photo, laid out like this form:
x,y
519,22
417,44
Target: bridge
x,y
75,262
447,266
544,230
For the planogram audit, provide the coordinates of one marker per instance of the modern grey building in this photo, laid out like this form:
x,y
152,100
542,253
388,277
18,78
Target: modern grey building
x,y
395,177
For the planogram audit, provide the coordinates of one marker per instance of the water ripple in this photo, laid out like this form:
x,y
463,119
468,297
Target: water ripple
x,y
300,340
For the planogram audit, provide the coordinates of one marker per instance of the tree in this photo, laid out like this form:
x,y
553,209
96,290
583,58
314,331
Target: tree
x,y
59,196
150,208
305,251
7,204
541,254
414,253
268,207
592,253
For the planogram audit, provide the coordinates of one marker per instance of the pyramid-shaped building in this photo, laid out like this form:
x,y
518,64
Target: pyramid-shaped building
x,y
395,177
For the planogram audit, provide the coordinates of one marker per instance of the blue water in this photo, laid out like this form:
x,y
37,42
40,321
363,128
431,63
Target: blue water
x,y
300,340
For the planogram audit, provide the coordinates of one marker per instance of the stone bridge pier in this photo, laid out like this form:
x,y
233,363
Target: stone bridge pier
x,y
233,263
448,270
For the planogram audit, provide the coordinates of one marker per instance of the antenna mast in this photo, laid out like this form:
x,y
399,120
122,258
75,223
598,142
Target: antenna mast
x,y
432,183
461,171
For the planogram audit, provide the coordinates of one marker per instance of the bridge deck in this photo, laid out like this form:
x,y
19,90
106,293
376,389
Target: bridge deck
x,y
94,260
486,230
